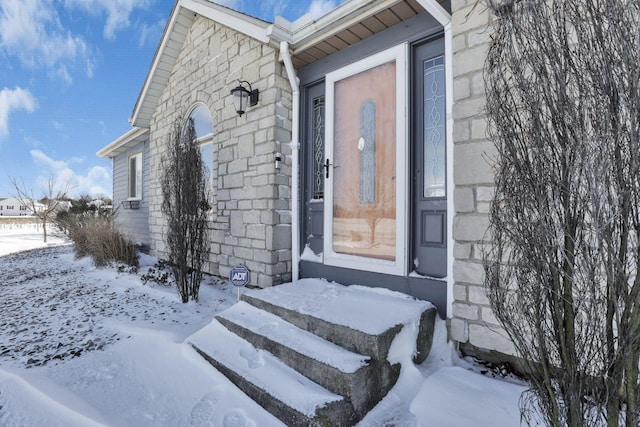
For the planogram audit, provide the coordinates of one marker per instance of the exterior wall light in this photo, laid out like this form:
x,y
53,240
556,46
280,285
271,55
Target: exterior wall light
x,y
243,97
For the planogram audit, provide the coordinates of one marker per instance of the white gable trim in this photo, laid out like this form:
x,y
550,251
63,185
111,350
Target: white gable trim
x,y
245,24
174,35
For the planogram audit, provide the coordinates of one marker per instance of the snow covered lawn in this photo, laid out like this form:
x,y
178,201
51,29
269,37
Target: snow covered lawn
x,y
81,346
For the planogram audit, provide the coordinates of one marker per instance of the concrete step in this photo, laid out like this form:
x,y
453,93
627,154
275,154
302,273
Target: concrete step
x,y
361,319
362,381
284,392
317,353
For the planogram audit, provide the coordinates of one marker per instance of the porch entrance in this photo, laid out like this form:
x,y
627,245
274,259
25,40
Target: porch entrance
x,y
375,162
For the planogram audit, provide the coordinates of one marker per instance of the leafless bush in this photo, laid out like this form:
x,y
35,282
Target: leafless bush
x,y
185,206
95,236
563,99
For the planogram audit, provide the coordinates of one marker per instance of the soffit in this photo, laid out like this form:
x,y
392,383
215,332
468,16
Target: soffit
x,y
310,40
315,43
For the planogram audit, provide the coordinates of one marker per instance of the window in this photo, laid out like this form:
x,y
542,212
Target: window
x,y
23,208
203,125
135,177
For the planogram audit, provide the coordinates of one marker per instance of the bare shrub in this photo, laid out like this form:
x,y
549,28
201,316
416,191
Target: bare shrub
x,y
95,236
563,100
185,207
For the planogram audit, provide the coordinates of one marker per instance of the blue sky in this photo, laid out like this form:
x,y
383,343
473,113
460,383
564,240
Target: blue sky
x,y
70,73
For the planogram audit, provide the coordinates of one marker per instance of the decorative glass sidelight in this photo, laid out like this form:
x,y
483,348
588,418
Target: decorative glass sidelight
x,y
318,147
434,128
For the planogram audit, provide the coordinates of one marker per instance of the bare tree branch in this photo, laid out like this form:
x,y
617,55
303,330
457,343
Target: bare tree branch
x,y
563,99
47,207
185,206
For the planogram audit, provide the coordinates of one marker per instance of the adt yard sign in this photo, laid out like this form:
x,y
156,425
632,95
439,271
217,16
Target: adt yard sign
x,y
239,275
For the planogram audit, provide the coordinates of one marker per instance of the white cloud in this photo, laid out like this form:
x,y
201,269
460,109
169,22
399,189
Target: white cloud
x,y
31,30
14,99
319,8
95,182
150,34
117,11
272,8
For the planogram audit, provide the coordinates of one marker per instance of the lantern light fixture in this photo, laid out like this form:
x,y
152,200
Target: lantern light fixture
x,y
243,97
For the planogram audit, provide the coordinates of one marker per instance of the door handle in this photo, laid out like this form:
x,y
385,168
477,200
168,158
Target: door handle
x,y
327,166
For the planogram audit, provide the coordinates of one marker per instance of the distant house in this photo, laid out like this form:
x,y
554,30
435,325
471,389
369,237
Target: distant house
x,y
362,157
14,206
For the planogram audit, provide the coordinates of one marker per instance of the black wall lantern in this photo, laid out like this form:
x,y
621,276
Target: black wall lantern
x,y
243,97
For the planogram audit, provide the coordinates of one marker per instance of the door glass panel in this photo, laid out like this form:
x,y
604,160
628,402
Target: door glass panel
x,y
364,172
434,128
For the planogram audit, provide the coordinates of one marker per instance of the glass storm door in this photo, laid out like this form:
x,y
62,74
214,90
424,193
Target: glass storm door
x,y
429,161
365,175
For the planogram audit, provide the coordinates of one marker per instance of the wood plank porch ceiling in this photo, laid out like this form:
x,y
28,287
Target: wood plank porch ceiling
x,y
394,14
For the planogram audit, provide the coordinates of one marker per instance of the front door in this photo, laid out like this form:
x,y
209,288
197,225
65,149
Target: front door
x,y
429,192
366,175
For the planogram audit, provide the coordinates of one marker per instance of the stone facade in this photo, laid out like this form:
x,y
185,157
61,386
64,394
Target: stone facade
x,y
472,319
251,224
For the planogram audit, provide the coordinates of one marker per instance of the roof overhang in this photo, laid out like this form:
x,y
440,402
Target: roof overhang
x,y
175,33
132,137
349,23
309,39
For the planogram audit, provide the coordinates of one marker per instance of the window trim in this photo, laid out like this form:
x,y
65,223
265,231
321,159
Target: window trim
x,y
137,177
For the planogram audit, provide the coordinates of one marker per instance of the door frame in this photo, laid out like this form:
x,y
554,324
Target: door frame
x,y
399,54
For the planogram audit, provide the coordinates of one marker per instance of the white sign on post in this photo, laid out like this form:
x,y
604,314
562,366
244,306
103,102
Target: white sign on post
x,y
239,276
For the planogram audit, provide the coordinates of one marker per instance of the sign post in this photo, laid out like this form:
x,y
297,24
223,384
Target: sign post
x,y
239,276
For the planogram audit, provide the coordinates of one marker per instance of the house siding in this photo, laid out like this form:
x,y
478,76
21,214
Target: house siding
x,y
251,224
134,223
473,322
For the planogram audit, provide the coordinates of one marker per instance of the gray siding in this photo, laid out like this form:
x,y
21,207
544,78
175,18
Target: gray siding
x,y
134,223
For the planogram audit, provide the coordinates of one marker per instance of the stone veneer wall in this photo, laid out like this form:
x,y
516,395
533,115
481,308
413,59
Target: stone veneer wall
x,y
252,220
473,321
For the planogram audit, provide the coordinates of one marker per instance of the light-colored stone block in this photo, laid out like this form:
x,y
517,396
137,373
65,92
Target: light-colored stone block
x,y
469,18
479,128
470,227
469,107
487,316
459,330
485,194
461,88
460,293
468,272
463,199
478,295
473,163
462,250
490,338
465,311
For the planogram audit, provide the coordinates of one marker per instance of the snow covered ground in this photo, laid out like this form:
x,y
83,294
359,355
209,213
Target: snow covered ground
x,y
81,346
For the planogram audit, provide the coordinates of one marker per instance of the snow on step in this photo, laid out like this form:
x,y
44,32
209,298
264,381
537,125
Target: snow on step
x,y
370,310
283,332
262,369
